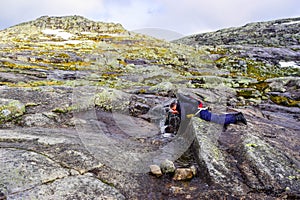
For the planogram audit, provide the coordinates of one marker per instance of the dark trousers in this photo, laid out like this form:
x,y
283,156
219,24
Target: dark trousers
x,y
223,119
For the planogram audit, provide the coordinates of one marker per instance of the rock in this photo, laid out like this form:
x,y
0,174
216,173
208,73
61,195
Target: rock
x,y
10,109
138,106
72,187
274,174
182,174
163,87
112,99
38,120
27,169
177,190
211,81
264,167
167,166
48,173
194,170
69,22
263,35
277,84
211,159
155,170
237,47
12,78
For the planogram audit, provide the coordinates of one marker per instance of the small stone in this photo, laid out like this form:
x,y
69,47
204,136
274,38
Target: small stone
x,y
184,174
287,189
194,170
6,112
167,166
155,170
176,190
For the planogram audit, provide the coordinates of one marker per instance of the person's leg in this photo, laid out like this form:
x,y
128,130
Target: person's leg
x,y
223,119
205,115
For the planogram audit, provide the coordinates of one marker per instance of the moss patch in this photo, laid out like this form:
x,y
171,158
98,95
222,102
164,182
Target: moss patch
x,y
33,83
285,101
65,110
10,109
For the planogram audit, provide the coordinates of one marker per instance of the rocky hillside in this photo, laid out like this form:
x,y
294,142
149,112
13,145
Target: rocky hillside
x,y
276,42
81,106
277,33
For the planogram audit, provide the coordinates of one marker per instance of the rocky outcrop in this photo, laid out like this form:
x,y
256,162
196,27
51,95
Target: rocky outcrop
x,y
76,23
82,104
247,156
37,164
243,161
277,33
272,42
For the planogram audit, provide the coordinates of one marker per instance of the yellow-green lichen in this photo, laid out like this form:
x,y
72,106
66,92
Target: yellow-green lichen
x,y
218,50
31,104
253,69
251,145
260,86
110,99
33,83
293,177
65,110
285,101
21,66
10,109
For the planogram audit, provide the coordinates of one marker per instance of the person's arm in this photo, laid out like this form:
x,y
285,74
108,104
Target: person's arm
x,y
167,119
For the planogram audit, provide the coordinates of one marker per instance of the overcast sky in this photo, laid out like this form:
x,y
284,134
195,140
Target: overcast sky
x,y
185,17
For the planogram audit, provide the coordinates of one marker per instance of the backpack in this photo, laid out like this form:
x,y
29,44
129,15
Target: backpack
x,y
172,123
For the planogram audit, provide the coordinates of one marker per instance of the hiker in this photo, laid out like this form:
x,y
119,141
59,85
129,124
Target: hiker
x,y
172,122
187,107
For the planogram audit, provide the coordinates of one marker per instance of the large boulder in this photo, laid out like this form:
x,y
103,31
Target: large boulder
x,y
49,164
72,187
247,158
212,160
265,167
25,170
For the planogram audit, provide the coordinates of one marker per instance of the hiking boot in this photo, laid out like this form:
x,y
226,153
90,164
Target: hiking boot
x,y
225,126
240,118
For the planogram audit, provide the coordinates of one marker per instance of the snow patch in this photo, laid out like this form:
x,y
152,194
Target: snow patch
x,y
290,23
63,42
99,34
86,33
289,64
58,33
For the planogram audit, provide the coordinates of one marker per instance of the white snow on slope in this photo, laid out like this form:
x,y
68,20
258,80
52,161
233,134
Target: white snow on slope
x,y
289,64
58,33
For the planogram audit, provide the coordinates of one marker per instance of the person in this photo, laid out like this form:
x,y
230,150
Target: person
x,y
187,107
172,122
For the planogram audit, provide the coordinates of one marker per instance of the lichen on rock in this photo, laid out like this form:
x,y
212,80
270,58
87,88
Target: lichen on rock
x,y
112,100
10,109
